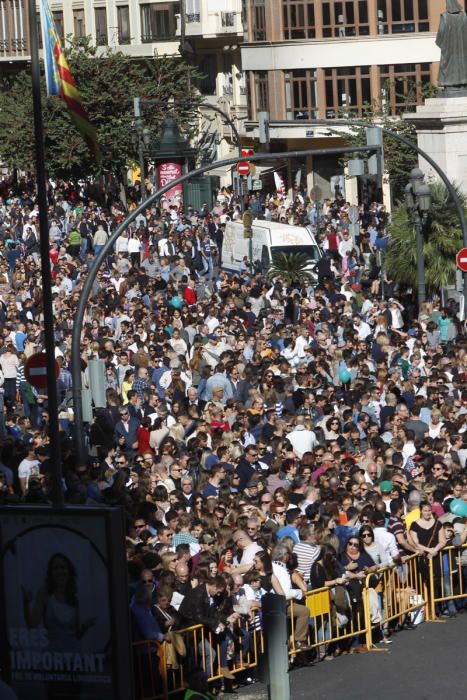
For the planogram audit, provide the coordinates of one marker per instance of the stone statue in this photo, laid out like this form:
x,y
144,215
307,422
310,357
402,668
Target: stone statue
x,y
452,40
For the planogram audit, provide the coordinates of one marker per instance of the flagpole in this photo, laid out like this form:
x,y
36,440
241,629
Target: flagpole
x,y
49,334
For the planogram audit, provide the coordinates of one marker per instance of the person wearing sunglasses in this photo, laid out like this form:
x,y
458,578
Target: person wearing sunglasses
x,y
374,549
357,564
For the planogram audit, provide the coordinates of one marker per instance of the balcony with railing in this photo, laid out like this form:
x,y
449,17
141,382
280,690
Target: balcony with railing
x,y
13,30
193,17
14,48
230,23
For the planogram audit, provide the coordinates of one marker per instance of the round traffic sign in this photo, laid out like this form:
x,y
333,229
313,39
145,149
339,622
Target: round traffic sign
x,y
243,167
35,370
461,260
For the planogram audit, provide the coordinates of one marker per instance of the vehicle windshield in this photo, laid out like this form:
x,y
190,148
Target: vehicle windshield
x,y
311,251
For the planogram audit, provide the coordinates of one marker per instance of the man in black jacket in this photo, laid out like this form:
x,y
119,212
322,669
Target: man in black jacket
x,y
204,605
247,466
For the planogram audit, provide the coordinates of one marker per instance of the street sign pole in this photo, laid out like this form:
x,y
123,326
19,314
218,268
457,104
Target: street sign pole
x,y
49,331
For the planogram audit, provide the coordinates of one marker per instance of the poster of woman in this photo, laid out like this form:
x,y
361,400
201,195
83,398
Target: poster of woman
x,y
57,595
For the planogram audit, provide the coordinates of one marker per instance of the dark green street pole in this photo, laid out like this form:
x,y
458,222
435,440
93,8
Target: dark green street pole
x,y
49,332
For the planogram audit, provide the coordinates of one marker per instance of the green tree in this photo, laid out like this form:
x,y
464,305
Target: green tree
x,y
107,82
443,239
292,268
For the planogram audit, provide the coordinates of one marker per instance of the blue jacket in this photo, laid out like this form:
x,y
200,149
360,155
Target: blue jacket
x,y
144,624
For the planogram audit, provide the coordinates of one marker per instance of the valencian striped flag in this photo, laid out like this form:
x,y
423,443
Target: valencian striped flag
x,y
61,82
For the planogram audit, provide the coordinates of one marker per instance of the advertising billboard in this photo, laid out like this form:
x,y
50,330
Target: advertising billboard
x,y
60,603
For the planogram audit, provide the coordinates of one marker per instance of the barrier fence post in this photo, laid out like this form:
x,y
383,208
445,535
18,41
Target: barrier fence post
x,y
431,592
367,615
275,643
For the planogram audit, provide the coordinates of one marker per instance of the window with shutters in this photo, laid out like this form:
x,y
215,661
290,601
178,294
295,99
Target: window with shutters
x,y
79,25
102,37
158,21
123,24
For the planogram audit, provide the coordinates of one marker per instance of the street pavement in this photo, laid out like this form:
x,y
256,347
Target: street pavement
x,y
428,663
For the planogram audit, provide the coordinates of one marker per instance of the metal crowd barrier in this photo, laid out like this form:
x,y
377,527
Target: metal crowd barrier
x,y
149,670
326,624
391,594
447,580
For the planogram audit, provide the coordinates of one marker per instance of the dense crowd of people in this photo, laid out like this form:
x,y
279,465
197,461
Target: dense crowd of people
x,y
260,437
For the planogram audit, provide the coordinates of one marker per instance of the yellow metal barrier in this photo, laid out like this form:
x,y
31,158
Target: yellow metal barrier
x,y
326,624
388,596
244,646
447,579
392,593
149,670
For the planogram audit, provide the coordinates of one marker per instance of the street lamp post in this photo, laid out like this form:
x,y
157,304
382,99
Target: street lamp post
x,y
142,138
418,203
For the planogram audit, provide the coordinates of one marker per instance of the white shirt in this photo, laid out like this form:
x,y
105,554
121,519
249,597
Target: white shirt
x,y
344,246
134,245
408,450
283,576
302,440
300,344
363,330
121,244
387,542
248,554
27,468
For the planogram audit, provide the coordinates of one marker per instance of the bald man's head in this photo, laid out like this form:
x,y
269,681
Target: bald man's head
x,y
181,571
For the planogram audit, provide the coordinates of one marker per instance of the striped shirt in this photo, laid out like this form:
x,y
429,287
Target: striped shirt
x,y
307,554
20,377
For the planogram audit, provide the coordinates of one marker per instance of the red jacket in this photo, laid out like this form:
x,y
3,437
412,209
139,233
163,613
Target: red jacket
x,y
190,296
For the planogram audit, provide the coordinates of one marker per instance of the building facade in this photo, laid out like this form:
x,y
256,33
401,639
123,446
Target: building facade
x,y
209,31
307,60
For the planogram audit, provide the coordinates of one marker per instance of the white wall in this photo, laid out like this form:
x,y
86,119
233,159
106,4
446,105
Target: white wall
x,y
418,48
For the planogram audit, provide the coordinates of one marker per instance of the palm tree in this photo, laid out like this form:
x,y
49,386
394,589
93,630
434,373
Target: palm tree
x,y
291,268
442,241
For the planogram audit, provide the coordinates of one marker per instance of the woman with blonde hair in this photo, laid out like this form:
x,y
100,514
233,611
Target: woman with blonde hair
x,y
435,424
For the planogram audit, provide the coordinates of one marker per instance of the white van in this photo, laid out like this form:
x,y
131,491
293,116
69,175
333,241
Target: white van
x,y
269,238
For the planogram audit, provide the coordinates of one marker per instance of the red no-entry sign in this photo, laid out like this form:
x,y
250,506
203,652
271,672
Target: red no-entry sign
x,y
35,370
461,260
243,168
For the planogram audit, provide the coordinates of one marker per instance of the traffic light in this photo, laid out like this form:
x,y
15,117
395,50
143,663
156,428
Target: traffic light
x,y
374,137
